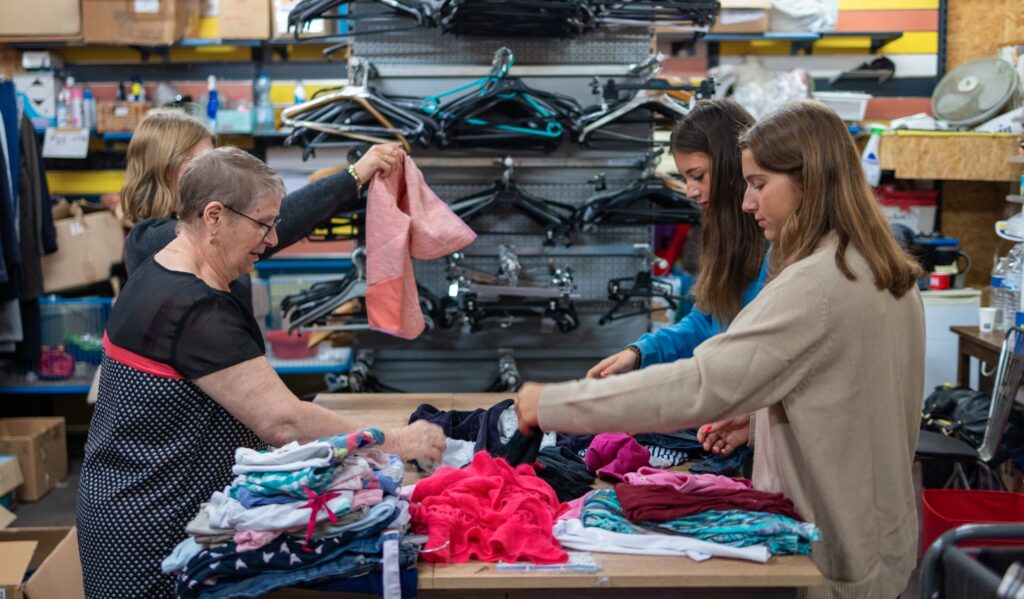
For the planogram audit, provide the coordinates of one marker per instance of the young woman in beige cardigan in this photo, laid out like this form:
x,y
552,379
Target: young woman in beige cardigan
x,y
829,357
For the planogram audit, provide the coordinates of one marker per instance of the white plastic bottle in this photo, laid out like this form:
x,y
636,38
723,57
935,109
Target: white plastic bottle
x,y
869,159
300,92
89,108
64,102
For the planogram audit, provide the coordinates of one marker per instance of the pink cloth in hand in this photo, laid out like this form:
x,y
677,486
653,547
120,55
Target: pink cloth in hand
x,y
404,219
684,481
613,455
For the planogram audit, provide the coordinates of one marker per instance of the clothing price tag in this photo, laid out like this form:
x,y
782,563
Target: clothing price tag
x,y
66,143
579,561
147,6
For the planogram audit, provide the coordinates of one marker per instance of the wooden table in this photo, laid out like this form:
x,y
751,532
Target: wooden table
x,y
983,346
619,575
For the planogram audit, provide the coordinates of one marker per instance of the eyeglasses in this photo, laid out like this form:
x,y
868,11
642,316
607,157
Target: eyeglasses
x,y
269,228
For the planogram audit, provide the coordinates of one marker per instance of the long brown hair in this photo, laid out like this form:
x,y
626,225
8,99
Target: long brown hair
x,y
732,247
807,141
159,146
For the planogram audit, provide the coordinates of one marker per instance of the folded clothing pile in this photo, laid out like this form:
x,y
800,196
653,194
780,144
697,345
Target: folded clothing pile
x,y
325,512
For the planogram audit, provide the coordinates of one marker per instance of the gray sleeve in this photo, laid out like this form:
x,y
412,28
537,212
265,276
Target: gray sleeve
x,y
303,209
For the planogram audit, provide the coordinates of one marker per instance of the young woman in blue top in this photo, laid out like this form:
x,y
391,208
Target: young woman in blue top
x,y
731,265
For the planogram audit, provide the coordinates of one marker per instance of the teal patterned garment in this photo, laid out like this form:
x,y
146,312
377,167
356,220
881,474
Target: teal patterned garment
x,y
737,528
294,482
284,483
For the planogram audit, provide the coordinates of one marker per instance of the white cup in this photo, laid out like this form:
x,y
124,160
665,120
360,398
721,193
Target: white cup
x,y
986,319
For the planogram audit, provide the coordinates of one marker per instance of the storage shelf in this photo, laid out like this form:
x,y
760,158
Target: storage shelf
x,y
801,42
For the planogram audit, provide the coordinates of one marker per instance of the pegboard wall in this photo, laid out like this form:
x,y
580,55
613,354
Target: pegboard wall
x,y
423,62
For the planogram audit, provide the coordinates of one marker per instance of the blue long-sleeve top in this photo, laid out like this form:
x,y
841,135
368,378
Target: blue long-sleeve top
x,y
679,340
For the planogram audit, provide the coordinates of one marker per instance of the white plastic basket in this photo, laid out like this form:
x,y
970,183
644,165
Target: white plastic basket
x,y
850,106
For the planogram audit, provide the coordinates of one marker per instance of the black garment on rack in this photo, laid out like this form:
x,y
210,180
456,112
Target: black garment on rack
x,y
35,218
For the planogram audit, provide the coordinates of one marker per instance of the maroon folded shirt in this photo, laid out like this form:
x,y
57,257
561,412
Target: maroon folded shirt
x,y
660,503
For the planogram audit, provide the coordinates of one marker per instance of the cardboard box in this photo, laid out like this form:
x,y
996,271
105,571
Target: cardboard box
x,y
243,19
38,91
40,20
141,22
10,474
41,447
317,28
89,239
743,16
52,552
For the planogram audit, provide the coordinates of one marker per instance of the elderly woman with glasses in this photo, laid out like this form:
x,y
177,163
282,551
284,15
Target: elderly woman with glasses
x,y
185,382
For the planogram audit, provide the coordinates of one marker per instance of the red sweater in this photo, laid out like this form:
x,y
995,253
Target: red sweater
x,y
487,511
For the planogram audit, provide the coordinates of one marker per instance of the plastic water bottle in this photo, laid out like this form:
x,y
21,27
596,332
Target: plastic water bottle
x,y
264,112
89,107
1011,296
869,159
997,290
299,93
212,102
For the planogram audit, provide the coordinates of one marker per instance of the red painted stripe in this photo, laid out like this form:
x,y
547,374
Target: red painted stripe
x,y
886,109
142,363
888,20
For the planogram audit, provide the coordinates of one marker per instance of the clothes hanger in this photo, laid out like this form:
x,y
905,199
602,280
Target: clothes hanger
x,y
556,216
643,286
307,11
648,201
327,108
309,307
687,15
501,110
653,101
516,18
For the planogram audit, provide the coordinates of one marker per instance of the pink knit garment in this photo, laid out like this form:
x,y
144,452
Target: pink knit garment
x,y
404,219
488,511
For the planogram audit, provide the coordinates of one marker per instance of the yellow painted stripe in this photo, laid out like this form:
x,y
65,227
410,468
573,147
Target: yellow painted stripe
x,y
920,42
887,4
210,54
84,182
282,93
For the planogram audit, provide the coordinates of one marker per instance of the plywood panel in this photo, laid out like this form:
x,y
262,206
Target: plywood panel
x,y
961,156
969,212
974,28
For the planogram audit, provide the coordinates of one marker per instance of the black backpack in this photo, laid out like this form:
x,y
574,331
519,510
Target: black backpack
x,y
963,413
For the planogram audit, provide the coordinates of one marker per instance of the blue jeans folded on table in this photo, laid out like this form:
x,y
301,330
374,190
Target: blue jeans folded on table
x,y
371,584
355,564
737,463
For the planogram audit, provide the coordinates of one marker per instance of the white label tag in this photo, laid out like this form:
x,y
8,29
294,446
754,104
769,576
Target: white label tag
x,y
147,6
66,143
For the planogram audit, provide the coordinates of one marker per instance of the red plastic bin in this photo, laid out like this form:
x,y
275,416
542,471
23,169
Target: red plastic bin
x,y
290,347
945,509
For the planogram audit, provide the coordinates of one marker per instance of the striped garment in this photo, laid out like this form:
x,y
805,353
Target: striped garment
x,y
738,528
295,482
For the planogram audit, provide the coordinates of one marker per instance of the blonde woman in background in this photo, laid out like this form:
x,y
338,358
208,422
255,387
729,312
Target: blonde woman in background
x,y
163,145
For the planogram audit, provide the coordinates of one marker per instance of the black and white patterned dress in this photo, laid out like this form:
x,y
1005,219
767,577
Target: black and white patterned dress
x,y
158,446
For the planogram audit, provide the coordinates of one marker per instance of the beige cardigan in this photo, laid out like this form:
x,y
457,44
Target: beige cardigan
x,y
835,369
